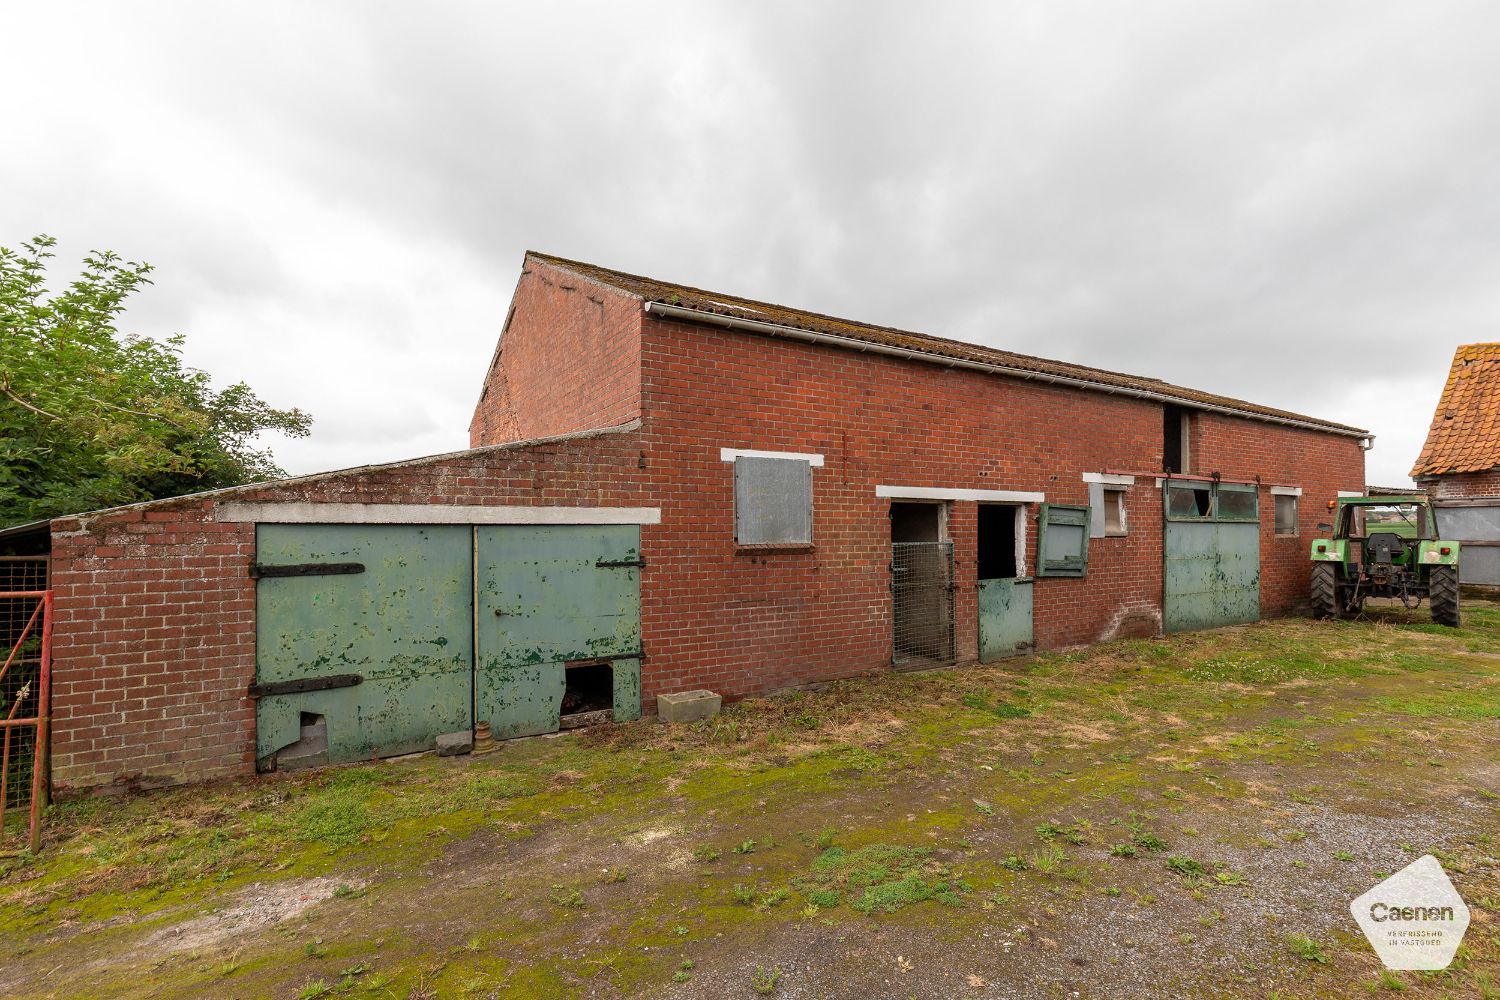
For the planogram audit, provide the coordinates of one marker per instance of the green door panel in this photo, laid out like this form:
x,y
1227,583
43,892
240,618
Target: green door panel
x,y
543,600
405,625
1004,618
1212,574
627,690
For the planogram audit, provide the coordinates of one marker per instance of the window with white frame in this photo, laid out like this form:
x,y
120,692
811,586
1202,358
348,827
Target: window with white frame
x,y
1286,513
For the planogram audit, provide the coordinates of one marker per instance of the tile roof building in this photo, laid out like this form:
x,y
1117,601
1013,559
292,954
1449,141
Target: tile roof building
x,y
1465,434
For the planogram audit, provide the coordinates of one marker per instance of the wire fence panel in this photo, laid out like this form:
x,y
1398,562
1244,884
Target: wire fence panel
x,y
922,588
25,675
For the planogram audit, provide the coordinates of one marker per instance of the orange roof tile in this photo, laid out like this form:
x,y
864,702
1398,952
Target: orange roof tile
x,y
1465,432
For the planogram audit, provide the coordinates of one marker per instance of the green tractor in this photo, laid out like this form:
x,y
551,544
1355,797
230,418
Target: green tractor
x,y
1384,547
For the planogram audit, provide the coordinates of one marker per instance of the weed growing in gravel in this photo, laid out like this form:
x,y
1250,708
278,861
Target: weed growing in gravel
x,y
763,980
1151,842
1392,981
1306,948
879,878
565,897
1046,860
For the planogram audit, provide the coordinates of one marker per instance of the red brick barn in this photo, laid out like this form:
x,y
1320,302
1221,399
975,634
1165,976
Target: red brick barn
x,y
672,489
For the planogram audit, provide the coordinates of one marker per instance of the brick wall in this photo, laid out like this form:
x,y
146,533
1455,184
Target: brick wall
x,y
1463,485
154,643
155,636
1322,464
568,360
746,620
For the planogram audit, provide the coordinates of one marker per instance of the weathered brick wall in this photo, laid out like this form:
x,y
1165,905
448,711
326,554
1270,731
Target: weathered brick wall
x,y
1464,485
155,637
154,643
568,360
746,620
1322,464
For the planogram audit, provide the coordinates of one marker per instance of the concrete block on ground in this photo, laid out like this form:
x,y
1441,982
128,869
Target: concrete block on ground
x,y
453,744
687,706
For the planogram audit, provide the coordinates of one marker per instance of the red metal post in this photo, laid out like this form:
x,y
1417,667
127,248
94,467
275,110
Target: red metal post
x,y
39,756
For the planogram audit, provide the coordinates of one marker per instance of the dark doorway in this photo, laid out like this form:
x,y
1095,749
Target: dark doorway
x,y
921,586
916,522
1174,439
997,542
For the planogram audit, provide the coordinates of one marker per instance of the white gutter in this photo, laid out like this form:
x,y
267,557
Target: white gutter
x,y
1366,439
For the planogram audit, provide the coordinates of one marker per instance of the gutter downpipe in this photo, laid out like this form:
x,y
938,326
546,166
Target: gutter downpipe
x,y
1366,440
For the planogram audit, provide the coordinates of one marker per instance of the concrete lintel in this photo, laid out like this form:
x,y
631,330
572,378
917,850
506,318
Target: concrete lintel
x,y
1108,479
938,493
1286,491
423,513
730,454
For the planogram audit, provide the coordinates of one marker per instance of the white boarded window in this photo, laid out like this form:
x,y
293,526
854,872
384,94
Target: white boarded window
x,y
772,501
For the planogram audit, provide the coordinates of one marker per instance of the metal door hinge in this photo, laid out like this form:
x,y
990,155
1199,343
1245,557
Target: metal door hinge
x,y
261,570
304,684
616,563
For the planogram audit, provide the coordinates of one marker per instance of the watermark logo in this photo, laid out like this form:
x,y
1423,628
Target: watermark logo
x,y
1415,919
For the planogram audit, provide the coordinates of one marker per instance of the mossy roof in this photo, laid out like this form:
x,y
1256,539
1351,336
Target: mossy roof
x,y
724,304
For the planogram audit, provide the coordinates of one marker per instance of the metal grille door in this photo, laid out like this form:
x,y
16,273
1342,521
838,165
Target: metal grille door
x,y
922,591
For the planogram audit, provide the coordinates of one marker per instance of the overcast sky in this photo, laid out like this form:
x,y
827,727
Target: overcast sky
x,y
1297,203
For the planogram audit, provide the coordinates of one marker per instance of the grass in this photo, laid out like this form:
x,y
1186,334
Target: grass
x,y
879,878
954,805
1306,948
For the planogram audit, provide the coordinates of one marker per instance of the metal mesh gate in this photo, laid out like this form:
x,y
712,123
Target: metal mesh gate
x,y
25,631
922,588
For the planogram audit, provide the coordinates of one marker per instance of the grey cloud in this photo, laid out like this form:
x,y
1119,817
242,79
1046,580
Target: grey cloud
x,y
1287,202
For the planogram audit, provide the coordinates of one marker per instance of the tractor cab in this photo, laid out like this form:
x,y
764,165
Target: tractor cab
x,y
1384,546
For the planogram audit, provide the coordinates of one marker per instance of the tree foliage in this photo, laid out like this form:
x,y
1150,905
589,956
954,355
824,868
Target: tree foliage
x,y
92,418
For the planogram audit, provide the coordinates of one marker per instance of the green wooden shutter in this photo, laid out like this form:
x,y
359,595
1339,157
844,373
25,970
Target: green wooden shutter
x,y
1062,543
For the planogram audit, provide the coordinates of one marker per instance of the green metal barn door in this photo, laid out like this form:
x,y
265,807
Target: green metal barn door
x,y
364,639
558,615
1212,555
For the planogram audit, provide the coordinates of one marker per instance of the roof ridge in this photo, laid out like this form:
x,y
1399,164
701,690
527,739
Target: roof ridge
x,y
738,306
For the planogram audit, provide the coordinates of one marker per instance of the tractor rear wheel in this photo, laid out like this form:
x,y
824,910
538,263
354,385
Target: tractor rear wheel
x,y
1325,594
1442,595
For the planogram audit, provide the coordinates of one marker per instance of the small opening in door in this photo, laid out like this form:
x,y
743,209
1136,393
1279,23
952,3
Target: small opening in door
x,y
997,542
590,687
916,522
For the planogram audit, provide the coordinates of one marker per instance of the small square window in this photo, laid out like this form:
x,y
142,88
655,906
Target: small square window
x,y
1114,512
772,501
1286,514
1237,502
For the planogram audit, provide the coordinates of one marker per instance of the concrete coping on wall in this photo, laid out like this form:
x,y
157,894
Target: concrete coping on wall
x,y
435,513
